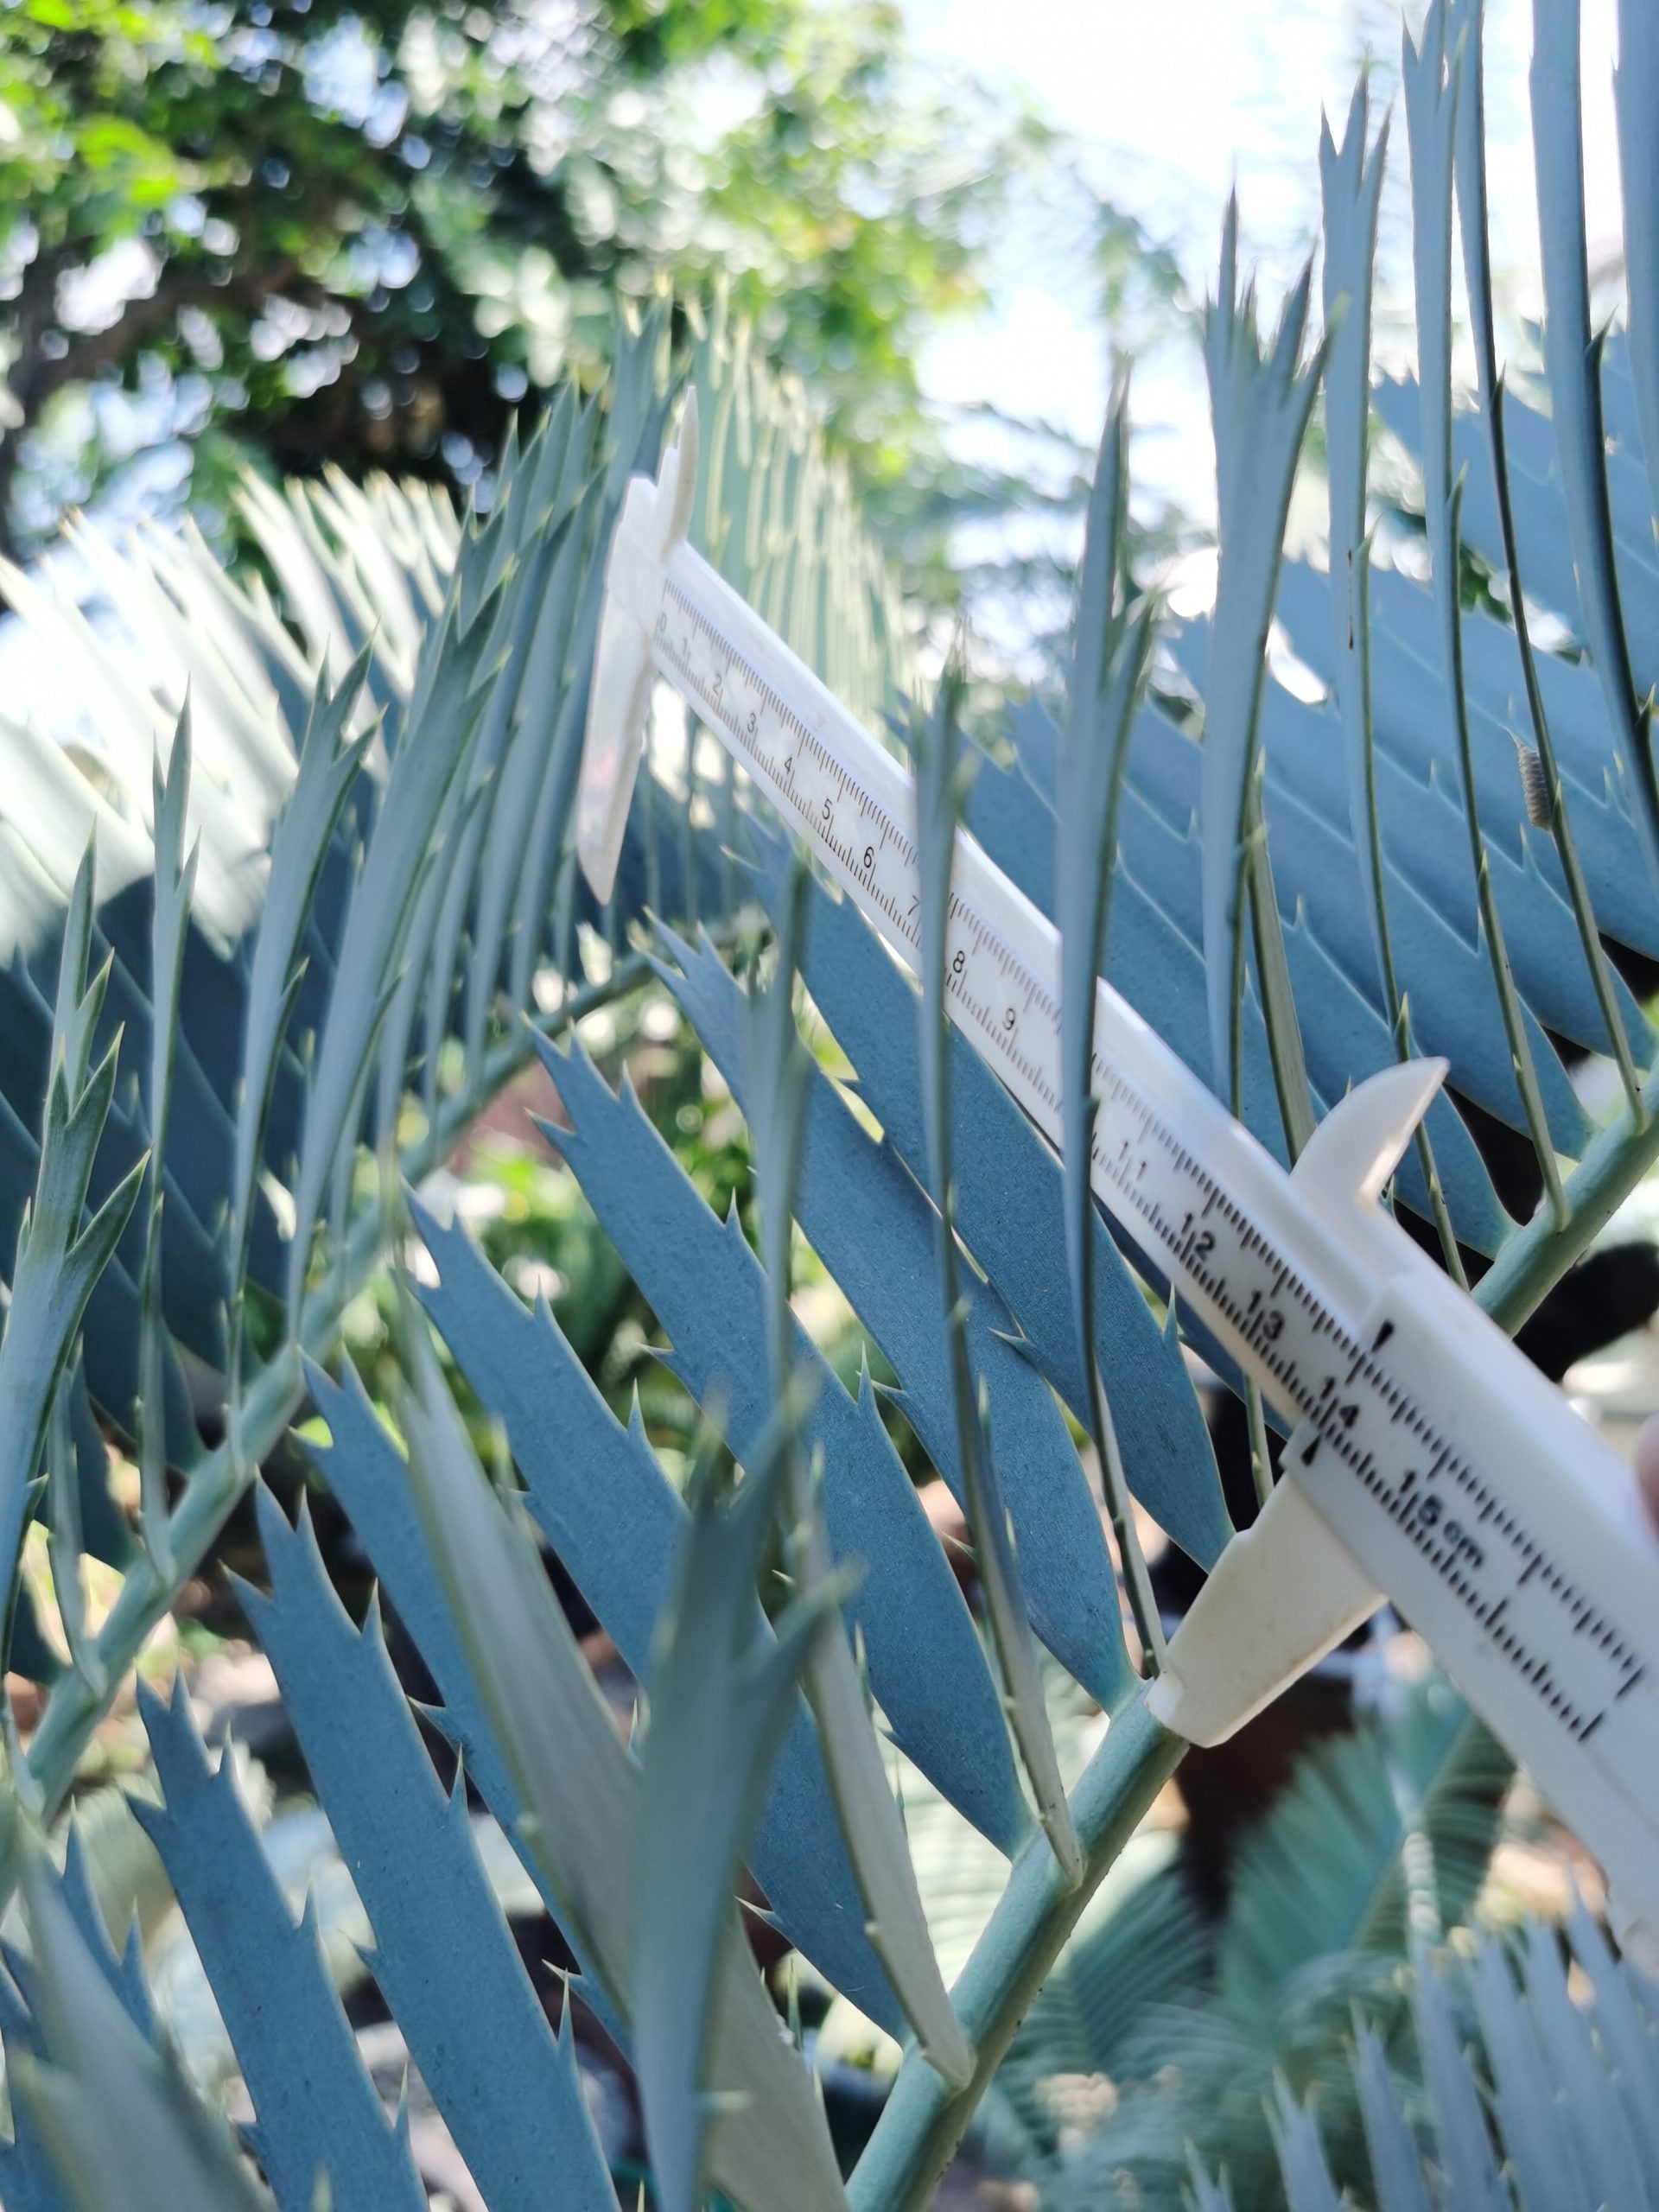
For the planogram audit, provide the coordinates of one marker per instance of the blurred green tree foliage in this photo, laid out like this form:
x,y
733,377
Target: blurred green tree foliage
x,y
306,230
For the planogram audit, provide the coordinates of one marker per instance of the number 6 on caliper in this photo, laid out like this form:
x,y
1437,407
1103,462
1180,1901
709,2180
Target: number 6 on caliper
x,y
1428,1459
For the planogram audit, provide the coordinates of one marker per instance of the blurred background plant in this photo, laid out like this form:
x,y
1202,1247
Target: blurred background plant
x,y
306,233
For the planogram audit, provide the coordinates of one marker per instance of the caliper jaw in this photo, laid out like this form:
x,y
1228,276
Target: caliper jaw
x,y
653,522
1288,1590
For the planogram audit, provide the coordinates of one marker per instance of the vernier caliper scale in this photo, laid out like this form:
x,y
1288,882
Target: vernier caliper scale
x,y
1427,1459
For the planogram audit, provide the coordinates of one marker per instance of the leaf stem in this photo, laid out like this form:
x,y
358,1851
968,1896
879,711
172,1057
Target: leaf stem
x,y
1535,1258
923,2119
1272,976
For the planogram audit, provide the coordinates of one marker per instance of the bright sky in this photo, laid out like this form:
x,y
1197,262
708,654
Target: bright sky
x,y
1176,102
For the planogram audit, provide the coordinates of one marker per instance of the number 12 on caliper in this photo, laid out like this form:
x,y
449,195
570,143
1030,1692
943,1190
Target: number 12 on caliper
x,y
1428,1460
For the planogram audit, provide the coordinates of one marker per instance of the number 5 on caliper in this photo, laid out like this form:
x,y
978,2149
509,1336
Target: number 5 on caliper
x,y
1428,1459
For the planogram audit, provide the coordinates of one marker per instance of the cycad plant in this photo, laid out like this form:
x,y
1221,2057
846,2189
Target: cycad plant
x,y
1318,2035
329,909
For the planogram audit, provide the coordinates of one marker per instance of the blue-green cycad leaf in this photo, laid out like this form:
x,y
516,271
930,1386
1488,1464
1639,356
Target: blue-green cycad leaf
x,y
720,1694
531,646
1351,185
60,1257
120,2122
1443,970
1465,2148
436,962
27,2173
868,1220
1624,2034
775,1068
28,2179
507,2087
66,1474
1635,90
366,1471
1325,1873
560,647
871,1824
450,854
1308,2186
1396,2163
1260,405
701,1282
195,1274
577,1783
545,844
1351,189
942,775
1543,538
328,764
1539,2149
368,1474
613,1521
1572,364
530,707
443,722
1208,2196
1319,1896
572,1774
1010,1215
316,2111
198,1166
175,884
1606,2148
1517,2095
383,573
1546,801
1431,95
1155,960
1421,813
1109,664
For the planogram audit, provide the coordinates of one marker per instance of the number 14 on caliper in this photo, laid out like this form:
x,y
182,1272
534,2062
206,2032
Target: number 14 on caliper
x,y
1428,1460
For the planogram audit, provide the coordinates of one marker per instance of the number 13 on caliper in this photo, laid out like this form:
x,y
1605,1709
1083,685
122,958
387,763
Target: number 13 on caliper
x,y
1428,1460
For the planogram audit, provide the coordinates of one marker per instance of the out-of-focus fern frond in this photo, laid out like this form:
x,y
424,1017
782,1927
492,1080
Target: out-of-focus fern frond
x,y
1379,1834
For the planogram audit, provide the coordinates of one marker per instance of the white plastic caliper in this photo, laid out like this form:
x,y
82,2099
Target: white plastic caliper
x,y
1427,1458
